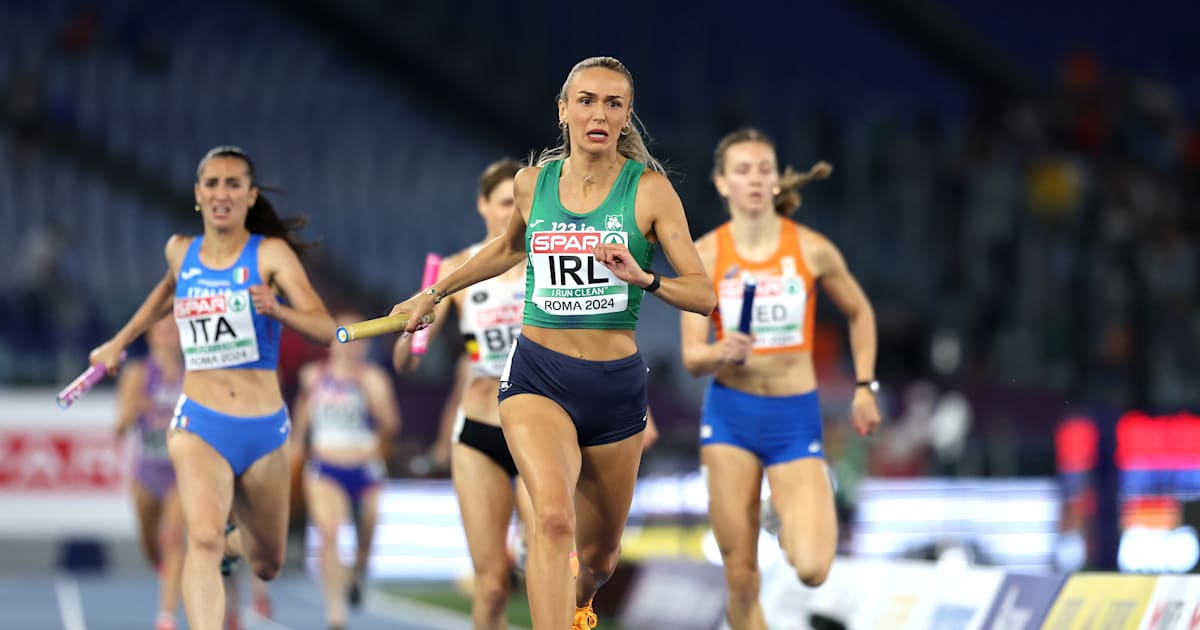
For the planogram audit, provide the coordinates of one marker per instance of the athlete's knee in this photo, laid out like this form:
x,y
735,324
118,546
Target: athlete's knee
x,y
328,533
556,522
266,569
599,560
743,581
491,592
206,539
812,573
810,562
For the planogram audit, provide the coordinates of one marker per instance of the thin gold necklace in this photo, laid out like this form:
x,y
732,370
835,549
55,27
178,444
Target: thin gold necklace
x,y
591,179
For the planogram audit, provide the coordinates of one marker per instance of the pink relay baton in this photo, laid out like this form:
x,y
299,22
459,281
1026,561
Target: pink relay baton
x,y
82,384
433,262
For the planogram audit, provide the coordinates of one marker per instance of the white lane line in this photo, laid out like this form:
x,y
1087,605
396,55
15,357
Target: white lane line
x,y
70,604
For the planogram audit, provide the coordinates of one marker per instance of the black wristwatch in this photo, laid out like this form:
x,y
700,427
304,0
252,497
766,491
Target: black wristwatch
x,y
872,385
654,284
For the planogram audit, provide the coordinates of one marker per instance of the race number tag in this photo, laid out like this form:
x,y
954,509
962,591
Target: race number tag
x,y
216,331
779,309
568,280
496,327
338,409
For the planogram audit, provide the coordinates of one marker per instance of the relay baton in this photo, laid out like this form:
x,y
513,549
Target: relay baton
x,y
749,286
375,327
421,338
82,384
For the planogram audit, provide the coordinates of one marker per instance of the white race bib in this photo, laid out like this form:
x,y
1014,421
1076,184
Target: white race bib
x,y
217,331
779,309
495,328
567,278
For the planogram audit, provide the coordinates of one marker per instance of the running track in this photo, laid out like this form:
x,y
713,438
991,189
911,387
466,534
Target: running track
x,y
127,602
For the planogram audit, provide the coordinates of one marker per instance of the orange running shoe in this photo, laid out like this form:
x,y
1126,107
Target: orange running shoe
x,y
585,618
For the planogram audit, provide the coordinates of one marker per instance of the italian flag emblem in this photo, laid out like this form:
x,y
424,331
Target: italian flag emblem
x,y
241,275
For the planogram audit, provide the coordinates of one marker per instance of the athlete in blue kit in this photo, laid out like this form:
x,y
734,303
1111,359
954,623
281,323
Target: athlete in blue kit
x,y
346,415
229,434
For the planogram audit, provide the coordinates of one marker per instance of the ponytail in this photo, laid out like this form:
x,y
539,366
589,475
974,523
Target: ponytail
x,y
262,219
787,199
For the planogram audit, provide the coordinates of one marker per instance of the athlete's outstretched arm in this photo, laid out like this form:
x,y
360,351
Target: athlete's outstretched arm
x,y
156,306
494,258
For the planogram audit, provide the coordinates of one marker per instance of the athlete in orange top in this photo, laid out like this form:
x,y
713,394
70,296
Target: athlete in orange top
x,y
761,410
783,312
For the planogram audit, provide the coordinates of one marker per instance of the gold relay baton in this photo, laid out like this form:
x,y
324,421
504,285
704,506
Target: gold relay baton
x,y
375,327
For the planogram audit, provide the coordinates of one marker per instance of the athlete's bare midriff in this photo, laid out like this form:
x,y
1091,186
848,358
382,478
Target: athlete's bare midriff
x,y
235,392
346,456
479,401
584,343
784,374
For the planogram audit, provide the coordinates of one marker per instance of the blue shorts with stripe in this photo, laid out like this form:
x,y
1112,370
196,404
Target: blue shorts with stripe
x,y
605,399
241,440
776,429
353,480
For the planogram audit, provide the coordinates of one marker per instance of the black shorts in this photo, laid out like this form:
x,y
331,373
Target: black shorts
x,y
489,440
605,399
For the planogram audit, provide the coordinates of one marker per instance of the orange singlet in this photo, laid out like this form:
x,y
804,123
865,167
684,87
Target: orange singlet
x,y
784,302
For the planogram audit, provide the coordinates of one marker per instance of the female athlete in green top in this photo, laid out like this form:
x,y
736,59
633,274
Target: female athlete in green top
x,y
587,219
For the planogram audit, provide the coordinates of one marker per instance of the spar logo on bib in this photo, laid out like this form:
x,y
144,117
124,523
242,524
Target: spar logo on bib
x,y
567,278
187,308
564,242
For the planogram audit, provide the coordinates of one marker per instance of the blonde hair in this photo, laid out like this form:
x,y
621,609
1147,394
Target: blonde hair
x,y
631,144
788,199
